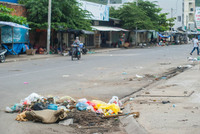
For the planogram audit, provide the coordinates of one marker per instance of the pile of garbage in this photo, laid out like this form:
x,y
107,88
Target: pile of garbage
x,y
65,110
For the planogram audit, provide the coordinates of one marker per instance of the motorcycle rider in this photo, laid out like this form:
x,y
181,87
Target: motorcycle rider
x,y
76,44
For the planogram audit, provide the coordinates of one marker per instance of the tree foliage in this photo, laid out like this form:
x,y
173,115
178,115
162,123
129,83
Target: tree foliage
x,y
5,15
65,14
144,16
197,3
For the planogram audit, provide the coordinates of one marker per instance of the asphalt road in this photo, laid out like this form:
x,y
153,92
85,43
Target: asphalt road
x,y
95,76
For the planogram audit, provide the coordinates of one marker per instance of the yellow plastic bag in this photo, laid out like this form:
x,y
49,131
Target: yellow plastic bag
x,y
108,108
98,102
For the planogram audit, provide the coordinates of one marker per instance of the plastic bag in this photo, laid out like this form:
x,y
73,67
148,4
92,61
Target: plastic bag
x,y
81,106
38,106
84,100
63,107
116,101
98,102
17,107
8,110
66,98
106,107
32,97
52,107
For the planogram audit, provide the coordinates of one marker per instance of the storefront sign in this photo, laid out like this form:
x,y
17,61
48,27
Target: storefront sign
x,y
197,18
98,11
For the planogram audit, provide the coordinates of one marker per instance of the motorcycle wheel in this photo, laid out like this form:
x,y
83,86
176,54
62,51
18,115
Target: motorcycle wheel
x,y
2,59
78,55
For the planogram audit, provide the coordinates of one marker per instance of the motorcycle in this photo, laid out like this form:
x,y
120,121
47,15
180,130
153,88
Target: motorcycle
x,y
75,53
2,55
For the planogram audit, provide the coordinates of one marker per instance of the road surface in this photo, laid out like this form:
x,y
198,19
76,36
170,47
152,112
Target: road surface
x,y
95,76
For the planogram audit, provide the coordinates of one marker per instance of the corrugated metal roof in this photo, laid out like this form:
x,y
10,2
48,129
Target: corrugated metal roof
x,y
104,28
4,23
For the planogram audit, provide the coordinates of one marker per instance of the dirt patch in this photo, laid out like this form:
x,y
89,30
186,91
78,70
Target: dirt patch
x,y
89,122
173,72
167,86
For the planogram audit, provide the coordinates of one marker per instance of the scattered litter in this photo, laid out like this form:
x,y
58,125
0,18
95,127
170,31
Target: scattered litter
x,y
131,99
124,73
183,120
65,54
95,84
189,66
25,82
164,77
165,63
82,113
8,110
147,93
165,102
65,76
192,59
174,105
66,122
91,52
138,76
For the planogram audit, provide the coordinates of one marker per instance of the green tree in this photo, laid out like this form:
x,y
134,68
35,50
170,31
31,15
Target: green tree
x,y
65,14
5,15
132,16
145,16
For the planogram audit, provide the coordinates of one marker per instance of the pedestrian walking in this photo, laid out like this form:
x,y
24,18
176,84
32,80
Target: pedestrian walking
x,y
196,46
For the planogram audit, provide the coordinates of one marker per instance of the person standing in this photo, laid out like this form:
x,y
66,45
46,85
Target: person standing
x,y
196,46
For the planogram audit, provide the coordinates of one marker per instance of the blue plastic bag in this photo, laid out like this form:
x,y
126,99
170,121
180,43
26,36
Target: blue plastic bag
x,y
81,106
52,107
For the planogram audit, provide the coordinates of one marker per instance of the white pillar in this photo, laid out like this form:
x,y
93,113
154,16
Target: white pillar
x,y
49,28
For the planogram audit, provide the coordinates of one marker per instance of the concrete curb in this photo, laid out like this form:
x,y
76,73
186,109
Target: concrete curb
x,y
130,125
105,50
26,59
44,57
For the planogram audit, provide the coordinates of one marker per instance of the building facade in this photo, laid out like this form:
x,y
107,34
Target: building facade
x,y
189,15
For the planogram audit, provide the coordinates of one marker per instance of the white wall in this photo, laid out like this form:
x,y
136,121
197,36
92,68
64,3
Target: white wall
x,y
174,8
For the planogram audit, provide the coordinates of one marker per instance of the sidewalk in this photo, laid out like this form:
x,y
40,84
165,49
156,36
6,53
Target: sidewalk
x,y
170,106
24,57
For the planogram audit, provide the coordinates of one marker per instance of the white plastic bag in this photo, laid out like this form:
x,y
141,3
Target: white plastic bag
x,y
32,97
115,100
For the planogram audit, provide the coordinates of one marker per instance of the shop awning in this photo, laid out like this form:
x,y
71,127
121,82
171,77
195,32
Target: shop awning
x,y
4,23
87,32
162,36
104,28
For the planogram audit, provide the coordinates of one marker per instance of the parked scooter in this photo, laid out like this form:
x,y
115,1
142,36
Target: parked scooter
x,y
2,55
83,49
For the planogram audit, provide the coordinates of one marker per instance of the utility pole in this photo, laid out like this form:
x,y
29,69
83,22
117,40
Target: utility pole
x,y
136,27
49,28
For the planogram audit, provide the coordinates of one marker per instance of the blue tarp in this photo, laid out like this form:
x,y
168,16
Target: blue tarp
x,y
12,1
20,35
17,48
163,36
